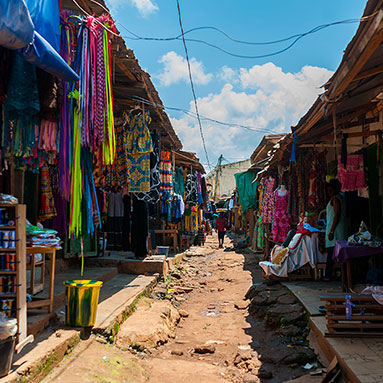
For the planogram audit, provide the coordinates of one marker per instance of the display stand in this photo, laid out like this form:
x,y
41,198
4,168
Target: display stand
x,y
13,271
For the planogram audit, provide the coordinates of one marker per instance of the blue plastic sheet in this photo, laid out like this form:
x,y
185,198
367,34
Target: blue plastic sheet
x,y
43,55
45,15
16,26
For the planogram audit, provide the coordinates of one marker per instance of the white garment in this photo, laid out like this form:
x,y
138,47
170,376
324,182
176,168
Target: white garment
x,y
305,251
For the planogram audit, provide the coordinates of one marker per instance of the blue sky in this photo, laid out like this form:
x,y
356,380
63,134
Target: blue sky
x,y
269,93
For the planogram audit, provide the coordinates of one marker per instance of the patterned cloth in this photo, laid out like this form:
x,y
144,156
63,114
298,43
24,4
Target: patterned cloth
x,y
281,224
154,194
268,200
166,173
352,175
191,189
47,204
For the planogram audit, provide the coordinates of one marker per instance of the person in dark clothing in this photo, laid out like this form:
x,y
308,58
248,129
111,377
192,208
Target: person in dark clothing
x,y
221,224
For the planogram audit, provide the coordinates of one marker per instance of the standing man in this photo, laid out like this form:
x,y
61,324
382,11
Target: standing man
x,y
221,224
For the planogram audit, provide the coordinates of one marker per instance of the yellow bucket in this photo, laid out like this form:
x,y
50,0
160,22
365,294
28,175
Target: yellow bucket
x,y
81,302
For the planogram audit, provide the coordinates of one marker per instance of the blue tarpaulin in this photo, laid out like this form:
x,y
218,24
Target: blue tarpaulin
x,y
18,32
45,15
16,26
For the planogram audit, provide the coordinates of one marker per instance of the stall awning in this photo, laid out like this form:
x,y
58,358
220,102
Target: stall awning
x,y
17,32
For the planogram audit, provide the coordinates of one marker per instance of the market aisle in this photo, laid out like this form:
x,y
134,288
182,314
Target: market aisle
x,y
208,289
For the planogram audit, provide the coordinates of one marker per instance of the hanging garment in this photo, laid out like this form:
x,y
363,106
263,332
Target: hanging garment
x,y
139,146
166,172
247,189
153,196
191,189
47,204
199,187
140,226
115,222
352,175
179,181
281,223
268,200
126,223
6,59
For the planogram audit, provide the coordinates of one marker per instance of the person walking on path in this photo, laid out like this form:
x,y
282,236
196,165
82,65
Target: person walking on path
x,y
221,224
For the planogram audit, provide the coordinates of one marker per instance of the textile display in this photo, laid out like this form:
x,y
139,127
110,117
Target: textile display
x,y
47,205
115,221
191,189
351,175
268,199
140,227
153,196
139,145
247,189
281,223
179,181
304,249
166,172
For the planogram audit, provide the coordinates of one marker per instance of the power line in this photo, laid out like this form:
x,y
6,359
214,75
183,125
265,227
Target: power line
x,y
296,38
191,114
191,83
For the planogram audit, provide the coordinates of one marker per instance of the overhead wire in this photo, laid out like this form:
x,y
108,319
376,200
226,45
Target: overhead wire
x,y
191,83
192,114
296,37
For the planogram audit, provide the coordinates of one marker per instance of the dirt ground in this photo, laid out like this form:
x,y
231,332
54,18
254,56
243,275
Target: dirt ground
x,y
217,340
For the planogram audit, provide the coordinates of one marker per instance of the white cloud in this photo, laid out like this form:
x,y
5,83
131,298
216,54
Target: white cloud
x,y
263,97
175,70
144,7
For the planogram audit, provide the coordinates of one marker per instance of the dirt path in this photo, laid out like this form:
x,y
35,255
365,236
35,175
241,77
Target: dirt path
x,y
217,340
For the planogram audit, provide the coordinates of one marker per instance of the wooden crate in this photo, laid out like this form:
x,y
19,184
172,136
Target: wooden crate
x,y
366,321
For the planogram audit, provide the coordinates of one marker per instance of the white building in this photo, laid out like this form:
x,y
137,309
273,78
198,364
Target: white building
x,y
221,181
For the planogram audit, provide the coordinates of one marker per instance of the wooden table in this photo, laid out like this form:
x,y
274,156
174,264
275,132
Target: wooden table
x,y
40,303
343,254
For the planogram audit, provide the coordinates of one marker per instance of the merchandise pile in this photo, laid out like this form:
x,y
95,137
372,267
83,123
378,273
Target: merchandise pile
x,y
40,237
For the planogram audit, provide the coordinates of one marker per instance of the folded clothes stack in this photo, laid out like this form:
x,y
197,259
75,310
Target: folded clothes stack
x,y
40,237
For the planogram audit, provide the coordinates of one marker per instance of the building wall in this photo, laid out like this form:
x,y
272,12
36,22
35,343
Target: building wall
x,y
226,180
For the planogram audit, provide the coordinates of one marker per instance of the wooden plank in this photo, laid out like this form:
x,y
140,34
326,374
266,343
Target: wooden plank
x,y
350,334
368,73
125,69
21,277
356,317
357,325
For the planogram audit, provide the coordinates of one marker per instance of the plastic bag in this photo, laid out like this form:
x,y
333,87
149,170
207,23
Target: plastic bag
x,y
8,327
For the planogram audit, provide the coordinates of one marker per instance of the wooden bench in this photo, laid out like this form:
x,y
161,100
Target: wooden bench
x,y
366,321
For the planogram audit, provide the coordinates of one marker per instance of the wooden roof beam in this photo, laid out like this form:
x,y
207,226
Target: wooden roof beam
x,y
368,73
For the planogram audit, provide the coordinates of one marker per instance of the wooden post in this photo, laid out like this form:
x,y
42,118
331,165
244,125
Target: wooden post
x,y
335,135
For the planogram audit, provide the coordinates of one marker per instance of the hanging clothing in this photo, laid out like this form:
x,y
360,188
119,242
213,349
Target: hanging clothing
x,y
115,222
126,223
6,59
247,189
340,232
352,175
166,172
191,189
153,196
281,223
139,147
268,200
179,182
47,204
140,226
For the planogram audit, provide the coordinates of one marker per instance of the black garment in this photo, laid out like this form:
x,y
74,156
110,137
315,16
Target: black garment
x,y
221,235
329,262
126,223
6,59
115,222
140,226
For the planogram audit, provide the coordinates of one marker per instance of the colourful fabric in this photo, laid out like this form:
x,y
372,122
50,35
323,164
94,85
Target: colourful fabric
x,y
281,223
47,204
247,189
268,200
138,147
166,173
352,175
